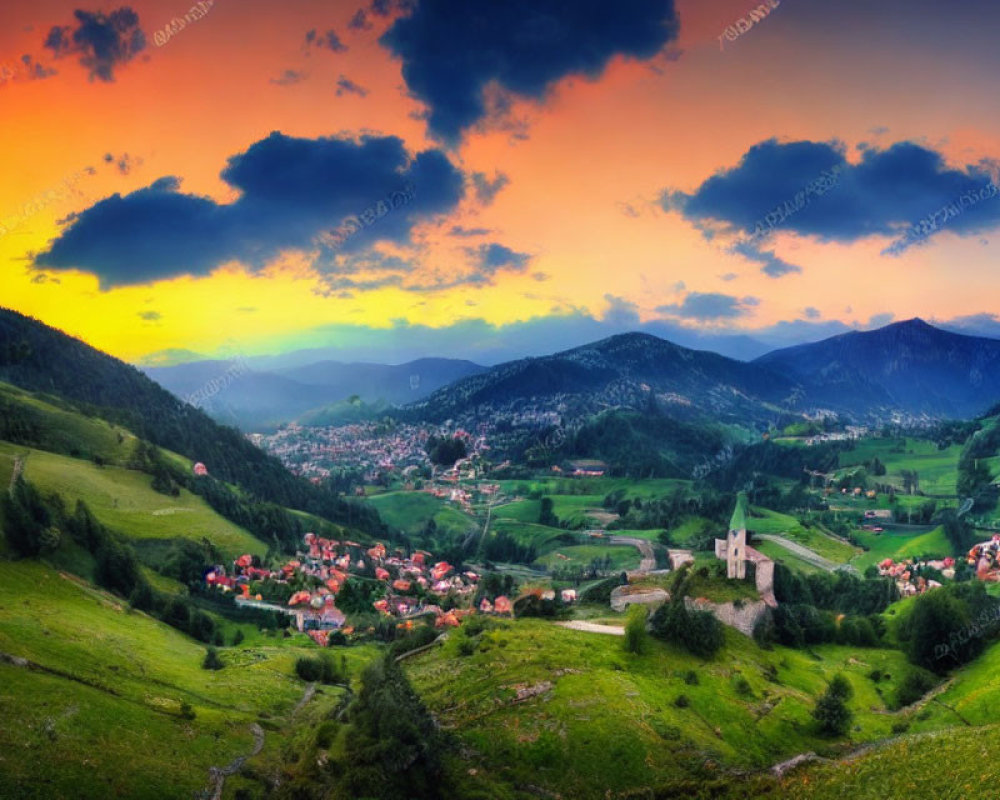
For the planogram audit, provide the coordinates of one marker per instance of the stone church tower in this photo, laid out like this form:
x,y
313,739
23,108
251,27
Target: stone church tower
x,y
736,541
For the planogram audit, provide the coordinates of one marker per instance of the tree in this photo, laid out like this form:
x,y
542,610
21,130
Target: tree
x,y
393,747
831,713
635,629
545,514
27,520
212,660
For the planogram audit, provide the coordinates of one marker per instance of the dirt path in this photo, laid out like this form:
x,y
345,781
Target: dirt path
x,y
306,697
592,627
18,469
217,775
645,548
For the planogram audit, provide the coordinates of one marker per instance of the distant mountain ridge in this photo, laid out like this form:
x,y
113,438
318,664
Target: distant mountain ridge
x,y
632,370
256,400
911,367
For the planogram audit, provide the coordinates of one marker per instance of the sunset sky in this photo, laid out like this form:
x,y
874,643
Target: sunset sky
x,y
529,174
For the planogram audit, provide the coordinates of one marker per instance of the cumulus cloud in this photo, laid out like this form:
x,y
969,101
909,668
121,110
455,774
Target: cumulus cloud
x,y
103,42
810,189
453,49
292,191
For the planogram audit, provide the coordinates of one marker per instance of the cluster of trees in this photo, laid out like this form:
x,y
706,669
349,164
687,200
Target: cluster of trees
x,y
801,625
322,669
503,547
445,450
949,626
393,750
697,631
644,445
839,591
809,607
28,524
750,462
670,510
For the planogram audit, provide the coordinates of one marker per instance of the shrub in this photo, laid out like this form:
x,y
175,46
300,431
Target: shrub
x,y
635,629
875,675
212,660
914,686
321,669
900,727
742,686
831,713
186,711
238,637
691,678
682,701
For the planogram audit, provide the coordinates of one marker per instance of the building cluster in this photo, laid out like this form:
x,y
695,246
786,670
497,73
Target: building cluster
x,y
411,586
906,574
985,559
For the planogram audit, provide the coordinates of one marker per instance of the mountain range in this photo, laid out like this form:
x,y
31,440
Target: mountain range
x,y
235,393
906,371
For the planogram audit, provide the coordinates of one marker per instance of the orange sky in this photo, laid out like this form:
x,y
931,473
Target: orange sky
x,y
590,150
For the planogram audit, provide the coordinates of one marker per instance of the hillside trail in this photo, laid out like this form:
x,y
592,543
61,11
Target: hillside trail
x,y
18,469
218,775
591,627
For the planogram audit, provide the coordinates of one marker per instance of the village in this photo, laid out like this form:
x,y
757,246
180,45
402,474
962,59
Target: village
x,y
406,588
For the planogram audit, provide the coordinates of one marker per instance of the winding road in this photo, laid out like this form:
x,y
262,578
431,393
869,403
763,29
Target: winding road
x,y
804,552
645,548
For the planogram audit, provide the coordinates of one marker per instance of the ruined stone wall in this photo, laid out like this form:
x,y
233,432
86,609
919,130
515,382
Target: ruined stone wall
x,y
744,619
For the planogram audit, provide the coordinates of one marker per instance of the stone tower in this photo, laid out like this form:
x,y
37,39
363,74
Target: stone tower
x,y
736,541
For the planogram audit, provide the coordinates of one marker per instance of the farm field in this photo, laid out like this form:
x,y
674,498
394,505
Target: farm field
x,y
897,545
410,512
938,469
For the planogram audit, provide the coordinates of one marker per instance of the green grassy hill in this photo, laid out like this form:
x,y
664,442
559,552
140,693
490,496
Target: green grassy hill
x,y
123,500
606,721
99,713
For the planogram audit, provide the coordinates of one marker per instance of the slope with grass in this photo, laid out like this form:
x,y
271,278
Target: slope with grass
x,y
123,500
596,720
99,714
411,511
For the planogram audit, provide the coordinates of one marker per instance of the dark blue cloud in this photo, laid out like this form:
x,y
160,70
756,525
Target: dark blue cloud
x,y
291,192
707,306
493,257
771,265
458,230
346,86
103,42
451,49
329,40
289,77
359,22
809,188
